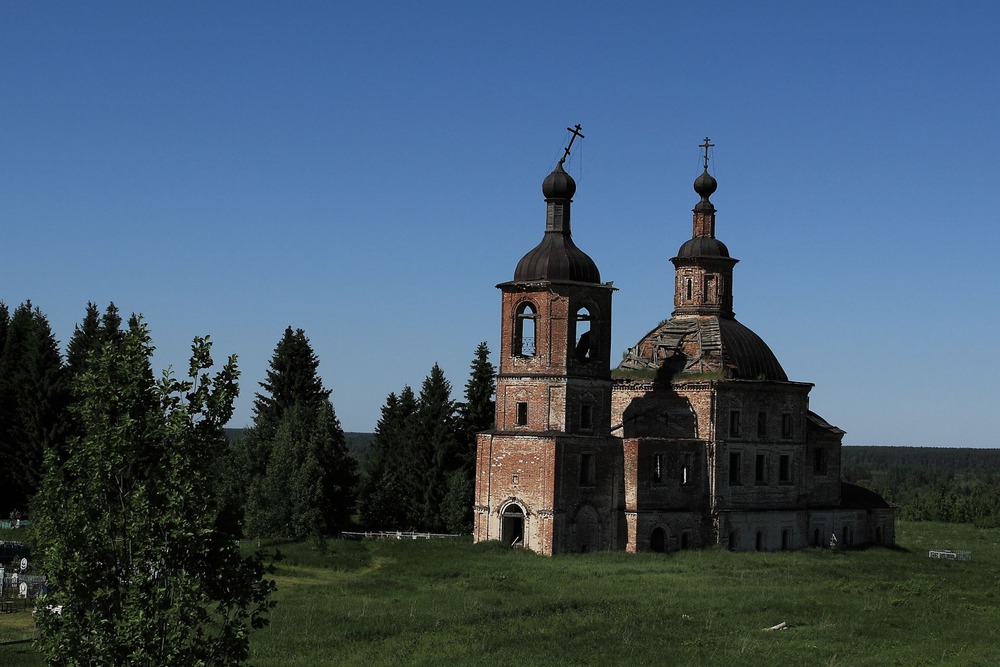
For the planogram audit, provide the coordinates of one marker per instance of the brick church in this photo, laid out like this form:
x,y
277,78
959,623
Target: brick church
x,y
697,438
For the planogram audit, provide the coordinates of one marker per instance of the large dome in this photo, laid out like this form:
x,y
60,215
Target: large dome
x,y
557,258
703,346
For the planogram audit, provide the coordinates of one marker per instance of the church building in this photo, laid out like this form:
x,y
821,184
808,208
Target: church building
x,y
697,438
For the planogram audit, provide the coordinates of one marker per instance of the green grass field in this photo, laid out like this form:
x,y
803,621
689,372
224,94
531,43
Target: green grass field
x,y
433,603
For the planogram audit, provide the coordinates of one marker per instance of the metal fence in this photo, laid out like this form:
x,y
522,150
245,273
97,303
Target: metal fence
x,y
394,535
24,586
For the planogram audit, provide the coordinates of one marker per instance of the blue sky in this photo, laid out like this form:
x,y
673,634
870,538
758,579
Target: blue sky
x,y
370,171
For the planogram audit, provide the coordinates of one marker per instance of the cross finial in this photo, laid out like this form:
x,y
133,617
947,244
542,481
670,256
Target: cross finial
x,y
706,146
576,133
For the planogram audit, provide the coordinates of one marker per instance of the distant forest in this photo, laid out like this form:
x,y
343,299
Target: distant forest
x,y
957,485
358,444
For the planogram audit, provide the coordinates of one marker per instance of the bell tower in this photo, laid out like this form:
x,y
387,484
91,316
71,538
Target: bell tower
x,y
703,279
548,451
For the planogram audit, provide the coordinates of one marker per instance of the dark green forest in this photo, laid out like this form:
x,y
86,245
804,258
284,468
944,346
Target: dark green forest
x,y
293,472
951,484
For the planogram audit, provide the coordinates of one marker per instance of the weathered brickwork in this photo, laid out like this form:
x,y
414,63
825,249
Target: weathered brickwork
x,y
700,439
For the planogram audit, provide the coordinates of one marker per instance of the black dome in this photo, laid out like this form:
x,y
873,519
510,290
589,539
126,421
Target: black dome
x,y
703,246
557,258
559,184
705,185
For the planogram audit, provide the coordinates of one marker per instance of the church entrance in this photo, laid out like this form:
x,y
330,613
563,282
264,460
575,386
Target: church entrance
x,y
658,540
512,526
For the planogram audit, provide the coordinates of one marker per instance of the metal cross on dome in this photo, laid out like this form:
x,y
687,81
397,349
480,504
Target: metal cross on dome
x,y
576,133
705,145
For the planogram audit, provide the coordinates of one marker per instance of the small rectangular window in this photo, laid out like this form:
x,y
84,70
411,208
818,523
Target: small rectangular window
x,y
586,470
735,474
687,468
785,468
762,425
657,468
522,414
760,472
586,417
819,461
787,431
734,423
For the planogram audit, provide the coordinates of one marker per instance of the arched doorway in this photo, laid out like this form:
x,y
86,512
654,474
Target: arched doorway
x,y
512,526
658,540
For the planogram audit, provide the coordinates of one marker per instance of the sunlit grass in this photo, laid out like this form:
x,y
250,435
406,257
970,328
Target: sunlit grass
x,y
450,602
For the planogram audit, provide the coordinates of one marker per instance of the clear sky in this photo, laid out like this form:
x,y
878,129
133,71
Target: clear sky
x,y
369,171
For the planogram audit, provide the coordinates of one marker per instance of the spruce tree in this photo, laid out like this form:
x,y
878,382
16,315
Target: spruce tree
x,y
127,525
476,414
34,398
479,410
435,447
300,478
293,378
387,496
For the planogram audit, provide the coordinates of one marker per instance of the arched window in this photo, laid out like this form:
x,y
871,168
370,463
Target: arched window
x,y
584,337
524,331
759,544
786,540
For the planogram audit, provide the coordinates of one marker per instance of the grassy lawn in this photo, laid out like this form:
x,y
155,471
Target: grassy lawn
x,y
432,603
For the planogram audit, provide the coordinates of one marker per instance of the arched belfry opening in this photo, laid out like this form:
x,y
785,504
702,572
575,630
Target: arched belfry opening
x,y
524,330
512,526
584,344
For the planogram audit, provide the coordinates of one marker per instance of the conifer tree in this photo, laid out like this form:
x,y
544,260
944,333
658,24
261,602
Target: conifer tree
x,y
301,478
476,414
34,397
435,446
479,410
127,525
91,334
386,498
293,378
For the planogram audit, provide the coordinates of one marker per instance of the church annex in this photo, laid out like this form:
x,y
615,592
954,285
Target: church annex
x,y
697,438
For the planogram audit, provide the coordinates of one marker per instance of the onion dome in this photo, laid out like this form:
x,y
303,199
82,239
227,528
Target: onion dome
x,y
557,257
705,185
558,184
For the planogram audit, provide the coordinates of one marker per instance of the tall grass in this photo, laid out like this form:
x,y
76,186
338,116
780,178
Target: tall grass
x,y
450,602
